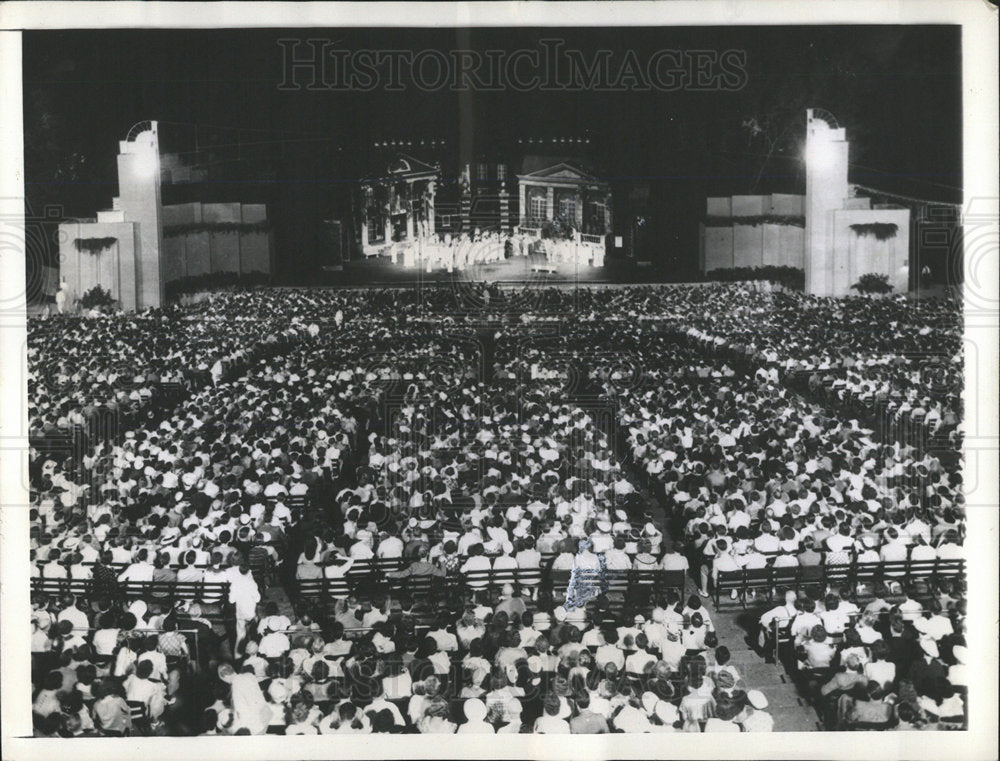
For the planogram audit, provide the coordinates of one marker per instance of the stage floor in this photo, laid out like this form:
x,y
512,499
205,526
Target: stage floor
x,y
518,269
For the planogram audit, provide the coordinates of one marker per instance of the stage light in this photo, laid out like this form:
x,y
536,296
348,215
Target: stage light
x,y
819,155
147,164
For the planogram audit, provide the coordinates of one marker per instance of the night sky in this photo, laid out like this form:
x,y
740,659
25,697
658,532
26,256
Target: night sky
x,y
896,90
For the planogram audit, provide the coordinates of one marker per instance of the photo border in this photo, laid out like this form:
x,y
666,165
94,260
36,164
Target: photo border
x,y
979,89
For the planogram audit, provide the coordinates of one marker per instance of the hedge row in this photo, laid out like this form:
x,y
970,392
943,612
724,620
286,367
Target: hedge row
x,y
790,277
214,281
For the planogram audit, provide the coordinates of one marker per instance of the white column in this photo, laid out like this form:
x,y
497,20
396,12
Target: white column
x,y
826,190
139,197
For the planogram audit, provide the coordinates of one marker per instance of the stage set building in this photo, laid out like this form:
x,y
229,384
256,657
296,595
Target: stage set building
x,y
417,191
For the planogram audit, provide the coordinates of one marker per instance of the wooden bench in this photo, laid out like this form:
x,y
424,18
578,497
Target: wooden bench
x,y
846,575
627,589
166,592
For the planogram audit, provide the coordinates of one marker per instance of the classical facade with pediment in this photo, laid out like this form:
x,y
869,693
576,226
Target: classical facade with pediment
x,y
566,191
404,199
398,207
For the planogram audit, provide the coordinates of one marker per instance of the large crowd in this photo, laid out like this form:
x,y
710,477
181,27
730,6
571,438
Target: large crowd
x,y
457,430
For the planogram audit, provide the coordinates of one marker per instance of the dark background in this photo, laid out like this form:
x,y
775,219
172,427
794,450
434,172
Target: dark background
x,y
896,89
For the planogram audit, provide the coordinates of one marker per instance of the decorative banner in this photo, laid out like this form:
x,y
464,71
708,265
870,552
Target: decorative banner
x,y
877,230
756,220
94,246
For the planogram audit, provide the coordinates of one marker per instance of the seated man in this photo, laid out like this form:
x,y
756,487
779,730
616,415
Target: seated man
x,y
780,614
816,653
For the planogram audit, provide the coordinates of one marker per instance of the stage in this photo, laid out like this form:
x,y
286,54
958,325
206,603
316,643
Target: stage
x,y
377,271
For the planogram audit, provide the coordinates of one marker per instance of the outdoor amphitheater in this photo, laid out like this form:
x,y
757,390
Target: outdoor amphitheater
x,y
636,377
463,508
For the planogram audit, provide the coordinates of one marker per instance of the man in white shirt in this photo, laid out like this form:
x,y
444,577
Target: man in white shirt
x,y
637,662
921,550
893,550
362,549
76,614
949,549
723,562
673,561
476,561
140,570
389,546
215,574
244,594
609,651
783,613
140,689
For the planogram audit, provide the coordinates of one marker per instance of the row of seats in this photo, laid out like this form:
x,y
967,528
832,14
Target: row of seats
x,y
624,589
169,592
765,580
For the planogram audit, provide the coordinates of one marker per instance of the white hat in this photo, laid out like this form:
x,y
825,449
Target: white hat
x,y
278,691
474,709
534,664
560,613
650,529
169,534
640,619
929,646
757,699
604,526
